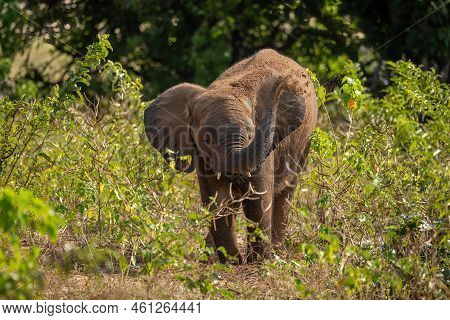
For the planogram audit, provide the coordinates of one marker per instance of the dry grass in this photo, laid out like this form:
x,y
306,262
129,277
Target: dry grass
x,y
268,280
246,282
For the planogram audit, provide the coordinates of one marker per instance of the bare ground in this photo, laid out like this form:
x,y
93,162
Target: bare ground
x,y
257,281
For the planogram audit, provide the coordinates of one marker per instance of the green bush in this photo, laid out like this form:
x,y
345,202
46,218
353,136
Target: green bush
x,y
19,266
88,157
382,188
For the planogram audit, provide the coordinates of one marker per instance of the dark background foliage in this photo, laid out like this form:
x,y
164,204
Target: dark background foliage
x,y
167,42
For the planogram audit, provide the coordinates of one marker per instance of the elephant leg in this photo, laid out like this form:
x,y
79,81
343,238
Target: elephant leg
x,y
223,235
280,215
283,199
259,211
209,241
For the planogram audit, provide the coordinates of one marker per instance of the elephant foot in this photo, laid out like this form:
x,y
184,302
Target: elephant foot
x,y
278,246
235,259
256,258
258,253
211,255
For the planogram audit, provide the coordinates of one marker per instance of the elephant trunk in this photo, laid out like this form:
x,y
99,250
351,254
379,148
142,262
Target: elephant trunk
x,y
243,161
249,158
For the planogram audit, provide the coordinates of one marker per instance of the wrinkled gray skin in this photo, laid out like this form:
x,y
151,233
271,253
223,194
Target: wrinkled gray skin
x,y
247,134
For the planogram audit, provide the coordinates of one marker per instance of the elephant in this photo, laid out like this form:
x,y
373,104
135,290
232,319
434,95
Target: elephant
x,y
247,135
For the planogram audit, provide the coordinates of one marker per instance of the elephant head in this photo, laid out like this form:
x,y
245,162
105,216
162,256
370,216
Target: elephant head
x,y
232,132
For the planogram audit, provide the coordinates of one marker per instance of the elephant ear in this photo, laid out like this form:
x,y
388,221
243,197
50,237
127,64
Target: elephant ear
x,y
166,122
291,108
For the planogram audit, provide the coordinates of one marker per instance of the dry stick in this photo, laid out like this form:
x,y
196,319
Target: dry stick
x,y
225,209
90,251
348,132
38,149
19,156
334,138
99,205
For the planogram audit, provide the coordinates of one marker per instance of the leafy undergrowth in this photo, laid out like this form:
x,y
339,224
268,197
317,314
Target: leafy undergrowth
x,y
369,219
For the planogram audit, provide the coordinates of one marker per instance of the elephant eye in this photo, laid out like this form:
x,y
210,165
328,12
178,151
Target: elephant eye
x,y
207,138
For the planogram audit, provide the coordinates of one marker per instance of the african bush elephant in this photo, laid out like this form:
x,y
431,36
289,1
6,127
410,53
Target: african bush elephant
x,y
247,135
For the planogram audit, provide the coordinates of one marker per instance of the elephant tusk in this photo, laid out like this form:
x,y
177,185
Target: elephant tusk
x,y
253,191
249,175
218,175
268,207
231,191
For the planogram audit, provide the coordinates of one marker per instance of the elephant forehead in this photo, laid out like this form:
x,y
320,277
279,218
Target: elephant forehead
x,y
221,109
